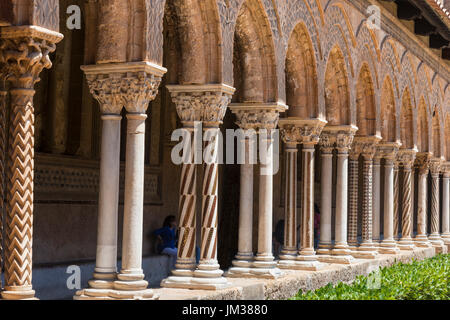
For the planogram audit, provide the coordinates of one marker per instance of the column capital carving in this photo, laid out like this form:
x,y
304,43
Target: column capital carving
x,y
344,136
423,162
131,85
388,151
406,157
301,131
257,115
207,103
327,142
24,53
435,166
365,146
446,169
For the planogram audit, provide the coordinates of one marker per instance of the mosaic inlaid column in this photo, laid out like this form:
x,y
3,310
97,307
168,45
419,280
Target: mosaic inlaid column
x,y
244,257
3,113
422,162
376,199
24,54
389,153
407,157
289,251
327,141
446,204
435,237
208,104
106,89
367,147
353,199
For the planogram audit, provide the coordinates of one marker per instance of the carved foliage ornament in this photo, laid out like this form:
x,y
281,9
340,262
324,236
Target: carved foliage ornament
x,y
344,141
435,167
406,157
257,119
366,148
206,106
23,58
423,162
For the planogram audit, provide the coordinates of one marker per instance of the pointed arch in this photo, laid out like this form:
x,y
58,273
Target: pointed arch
x,y
407,121
422,127
388,112
365,103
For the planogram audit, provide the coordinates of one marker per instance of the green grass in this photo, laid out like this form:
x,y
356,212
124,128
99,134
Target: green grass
x,y
420,280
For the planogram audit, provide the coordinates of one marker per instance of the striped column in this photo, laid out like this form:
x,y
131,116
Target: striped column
x,y
353,200
289,251
407,158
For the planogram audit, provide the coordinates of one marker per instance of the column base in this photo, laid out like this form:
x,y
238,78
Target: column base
x,y
308,263
13,293
287,261
239,267
422,241
388,247
324,249
406,244
365,251
337,259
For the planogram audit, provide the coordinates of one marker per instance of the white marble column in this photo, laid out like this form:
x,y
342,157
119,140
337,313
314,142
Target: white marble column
x,y
289,251
396,204
407,157
389,153
435,237
327,142
367,146
446,205
422,161
244,257
376,199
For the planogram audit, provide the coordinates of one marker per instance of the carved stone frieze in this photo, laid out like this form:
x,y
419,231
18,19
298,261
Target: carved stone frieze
x,y
301,131
365,146
257,116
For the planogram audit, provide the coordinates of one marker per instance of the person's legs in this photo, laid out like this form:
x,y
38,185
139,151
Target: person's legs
x,y
170,252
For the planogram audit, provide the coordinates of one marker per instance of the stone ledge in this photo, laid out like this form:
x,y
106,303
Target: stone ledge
x,y
287,286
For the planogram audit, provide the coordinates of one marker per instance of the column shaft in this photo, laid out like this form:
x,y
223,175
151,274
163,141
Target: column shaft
x,y
435,237
396,201
421,238
376,201
341,247
353,203
326,189
446,208
367,244
406,242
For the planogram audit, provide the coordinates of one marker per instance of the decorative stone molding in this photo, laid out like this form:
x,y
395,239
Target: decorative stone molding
x,y
435,166
406,157
294,130
206,103
131,85
423,162
24,53
327,142
365,146
258,115
446,169
388,150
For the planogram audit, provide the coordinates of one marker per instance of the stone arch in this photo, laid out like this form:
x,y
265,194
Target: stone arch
x,y
337,98
423,86
196,26
390,63
365,103
301,75
388,112
255,74
407,77
407,121
422,127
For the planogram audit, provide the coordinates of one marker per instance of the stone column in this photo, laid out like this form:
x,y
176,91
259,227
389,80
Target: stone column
x,y
208,104
3,142
327,142
376,199
289,252
24,54
308,133
423,162
407,157
446,205
244,257
389,153
435,237
396,200
367,147
353,199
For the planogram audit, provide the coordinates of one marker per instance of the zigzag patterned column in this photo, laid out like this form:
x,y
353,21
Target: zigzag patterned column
x,y
422,161
3,106
407,157
353,199
25,52
435,237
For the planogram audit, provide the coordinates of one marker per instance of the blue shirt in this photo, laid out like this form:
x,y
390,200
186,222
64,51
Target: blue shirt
x,y
168,237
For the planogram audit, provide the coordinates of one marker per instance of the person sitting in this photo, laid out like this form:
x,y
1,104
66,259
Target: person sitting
x,y
167,237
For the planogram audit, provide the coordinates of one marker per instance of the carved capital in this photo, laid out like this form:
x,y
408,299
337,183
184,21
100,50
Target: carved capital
x,y
257,116
130,85
327,142
365,146
206,103
446,169
423,162
24,53
343,136
388,151
406,157
435,167
301,131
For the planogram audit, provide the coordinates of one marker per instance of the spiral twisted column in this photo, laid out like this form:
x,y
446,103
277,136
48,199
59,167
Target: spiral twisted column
x,y
368,147
446,204
388,151
24,54
327,142
407,157
435,237
396,200
422,163
3,107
